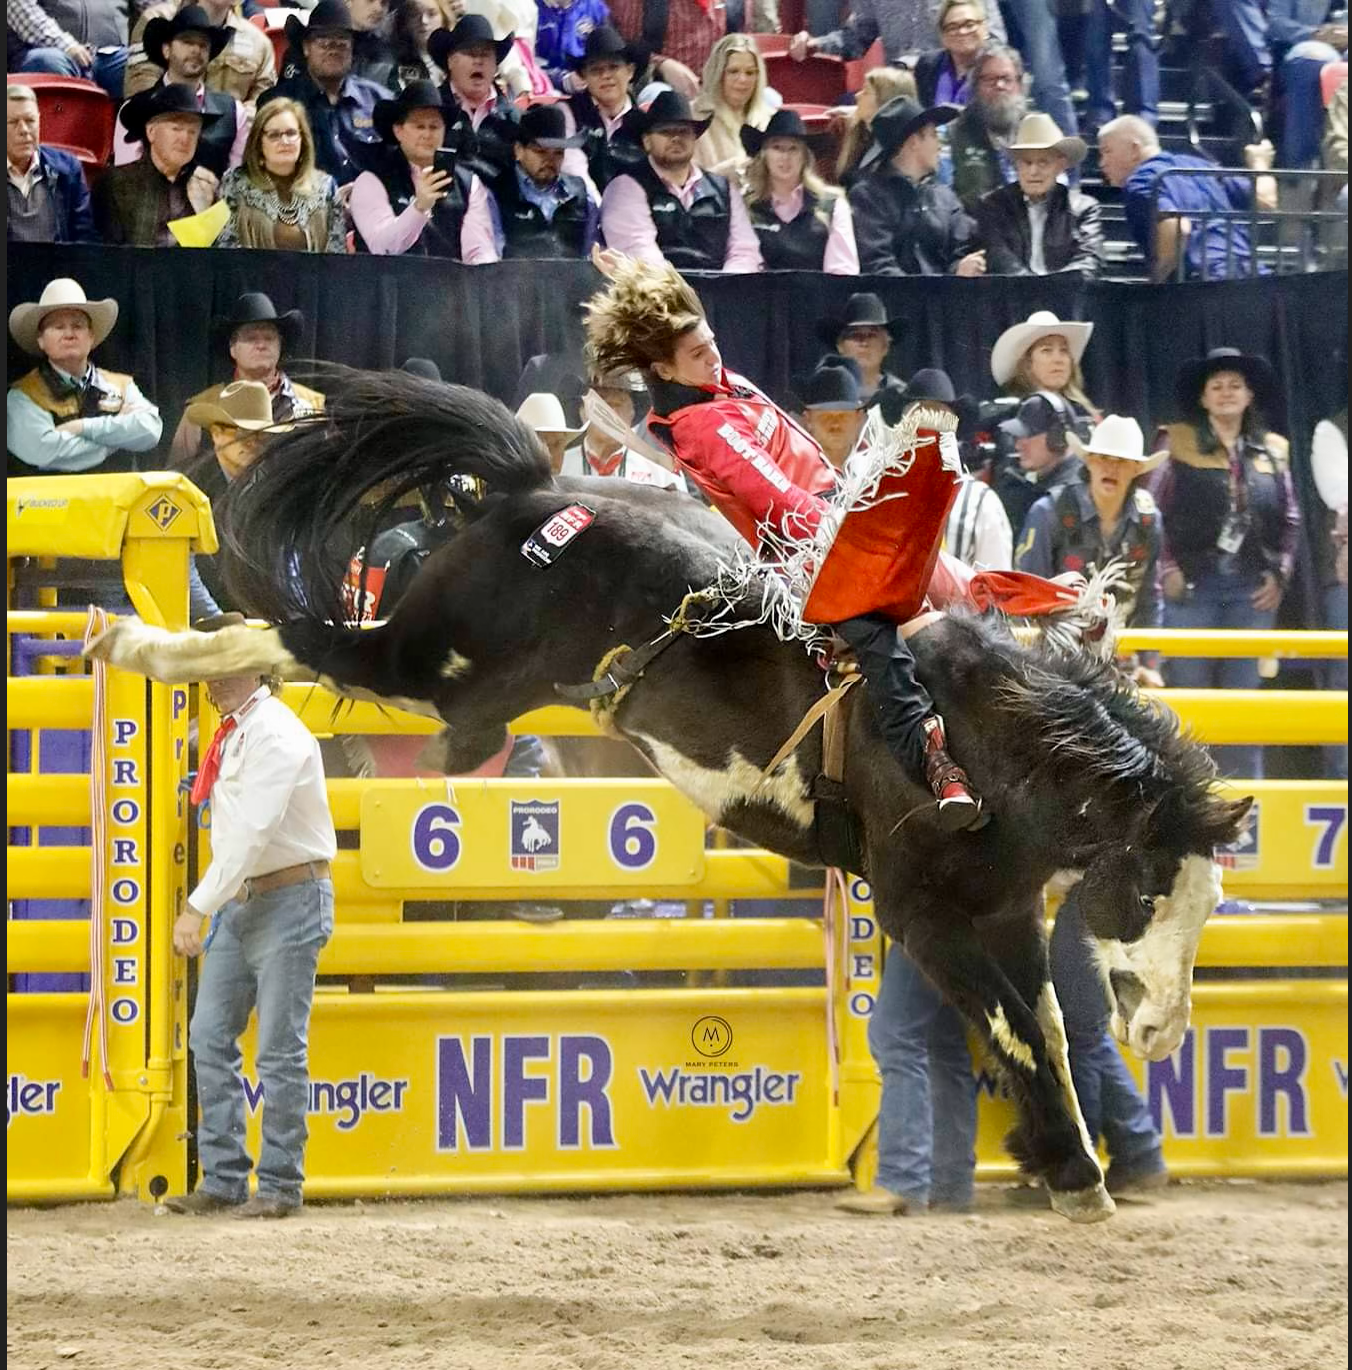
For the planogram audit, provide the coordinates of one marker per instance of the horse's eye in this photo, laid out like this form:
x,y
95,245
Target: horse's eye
x,y
1147,903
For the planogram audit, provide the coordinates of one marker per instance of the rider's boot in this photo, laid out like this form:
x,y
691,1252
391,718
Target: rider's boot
x,y
959,808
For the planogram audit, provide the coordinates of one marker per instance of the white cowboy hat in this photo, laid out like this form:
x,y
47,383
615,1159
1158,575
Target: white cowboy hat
x,y
1119,438
1014,342
1039,133
544,413
25,320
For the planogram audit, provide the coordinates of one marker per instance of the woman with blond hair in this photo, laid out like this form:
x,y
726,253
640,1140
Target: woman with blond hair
x,y
278,198
1041,356
802,223
734,95
880,85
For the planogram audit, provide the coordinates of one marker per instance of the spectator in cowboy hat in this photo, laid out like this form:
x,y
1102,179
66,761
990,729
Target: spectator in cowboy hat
x,y
542,211
134,204
833,411
604,109
239,418
68,415
244,69
611,446
48,195
424,367
667,210
906,223
802,223
339,105
544,414
256,338
1038,226
418,197
183,48
1043,354
864,334
474,103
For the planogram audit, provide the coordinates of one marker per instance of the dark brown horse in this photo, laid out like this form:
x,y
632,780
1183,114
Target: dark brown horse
x,y
1079,772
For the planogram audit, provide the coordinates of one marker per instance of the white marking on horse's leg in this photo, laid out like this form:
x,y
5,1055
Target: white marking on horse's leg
x,y
178,658
1053,1027
717,791
455,666
1008,1040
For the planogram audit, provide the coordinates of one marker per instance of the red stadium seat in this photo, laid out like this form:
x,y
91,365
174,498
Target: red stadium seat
x,y
856,71
76,115
817,81
1330,79
280,46
772,42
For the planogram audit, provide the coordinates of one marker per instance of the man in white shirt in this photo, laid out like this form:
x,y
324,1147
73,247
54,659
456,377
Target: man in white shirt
x,y
616,448
267,900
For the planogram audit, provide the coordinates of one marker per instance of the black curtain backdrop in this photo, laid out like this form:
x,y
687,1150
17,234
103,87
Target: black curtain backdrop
x,y
481,324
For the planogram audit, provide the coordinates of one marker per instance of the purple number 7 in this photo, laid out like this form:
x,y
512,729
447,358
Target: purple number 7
x,y
1332,817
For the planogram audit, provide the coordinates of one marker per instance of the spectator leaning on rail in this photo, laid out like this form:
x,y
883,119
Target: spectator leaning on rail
x,y
863,334
339,105
471,98
78,38
942,77
68,415
906,223
245,69
1231,520
409,203
134,204
48,195
1039,226
268,895
978,159
802,223
666,208
604,110
734,96
1131,158
183,47
542,212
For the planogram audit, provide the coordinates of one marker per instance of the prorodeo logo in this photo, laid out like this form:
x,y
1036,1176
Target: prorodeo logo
x,y
163,512
711,1036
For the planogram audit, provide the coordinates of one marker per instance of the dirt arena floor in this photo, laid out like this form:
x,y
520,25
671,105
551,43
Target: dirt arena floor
x,y
1204,1277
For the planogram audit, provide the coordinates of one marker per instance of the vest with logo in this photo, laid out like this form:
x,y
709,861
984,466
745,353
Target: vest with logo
x,y
607,157
526,230
800,244
694,239
104,395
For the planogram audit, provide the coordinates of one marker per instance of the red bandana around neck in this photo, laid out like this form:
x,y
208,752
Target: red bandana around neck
x,y
211,762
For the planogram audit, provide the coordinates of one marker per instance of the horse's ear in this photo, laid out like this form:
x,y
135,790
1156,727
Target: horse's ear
x,y
1231,818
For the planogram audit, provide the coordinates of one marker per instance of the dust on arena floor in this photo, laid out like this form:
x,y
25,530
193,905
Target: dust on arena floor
x,y
1205,1276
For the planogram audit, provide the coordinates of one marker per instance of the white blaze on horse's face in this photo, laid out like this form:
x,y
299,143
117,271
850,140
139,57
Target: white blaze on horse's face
x,y
1150,980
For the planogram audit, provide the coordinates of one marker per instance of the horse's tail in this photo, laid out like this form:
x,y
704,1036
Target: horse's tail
x,y
323,490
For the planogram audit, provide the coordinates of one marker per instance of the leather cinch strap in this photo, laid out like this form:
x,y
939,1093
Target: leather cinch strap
x,y
833,738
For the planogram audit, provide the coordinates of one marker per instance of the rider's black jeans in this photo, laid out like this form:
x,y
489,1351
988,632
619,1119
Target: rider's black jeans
x,y
900,702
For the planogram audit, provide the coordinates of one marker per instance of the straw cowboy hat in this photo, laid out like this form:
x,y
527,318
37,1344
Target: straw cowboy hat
x,y
1121,439
1039,133
544,413
1014,342
242,404
1257,372
25,320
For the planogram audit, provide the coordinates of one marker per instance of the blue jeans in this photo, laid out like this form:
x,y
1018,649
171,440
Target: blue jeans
x,y
1141,75
1303,103
1034,23
1113,1106
108,70
1248,58
263,954
1220,601
1335,673
927,1119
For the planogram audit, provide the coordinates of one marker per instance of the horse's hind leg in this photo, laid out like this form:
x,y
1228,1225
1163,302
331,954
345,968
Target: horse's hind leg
x,y
1019,947
1049,1140
178,658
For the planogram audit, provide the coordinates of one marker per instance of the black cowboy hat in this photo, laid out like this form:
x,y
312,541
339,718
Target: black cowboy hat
x,y
165,99
898,119
606,44
422,366
784,123
326,17
1257,372
160,32
255,307
415,95
862,310
931,384
546,126
670,107
833,384
470,31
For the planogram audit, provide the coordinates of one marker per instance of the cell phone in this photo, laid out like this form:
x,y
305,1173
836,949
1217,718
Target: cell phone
x,y
444,160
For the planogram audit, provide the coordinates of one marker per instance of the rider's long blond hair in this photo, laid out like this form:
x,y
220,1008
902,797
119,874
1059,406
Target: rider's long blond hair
x,y
637,319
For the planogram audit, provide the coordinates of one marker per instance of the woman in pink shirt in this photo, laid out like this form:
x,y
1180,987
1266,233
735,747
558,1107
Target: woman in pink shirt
x,y
802,223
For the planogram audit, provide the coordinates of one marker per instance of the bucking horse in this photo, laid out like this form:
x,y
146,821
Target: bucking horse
x,y
1080,773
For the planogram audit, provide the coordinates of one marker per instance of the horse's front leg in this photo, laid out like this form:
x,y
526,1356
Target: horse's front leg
x,y
1049,1141
177,658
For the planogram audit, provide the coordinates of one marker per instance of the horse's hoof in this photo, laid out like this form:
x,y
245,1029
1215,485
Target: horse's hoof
x,y
1084,1205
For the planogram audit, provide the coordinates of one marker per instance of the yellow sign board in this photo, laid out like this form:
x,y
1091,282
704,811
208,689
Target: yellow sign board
x,y
1294,843
569,833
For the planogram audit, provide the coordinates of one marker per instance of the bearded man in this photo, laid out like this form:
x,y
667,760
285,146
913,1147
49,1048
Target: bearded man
x,y
978,143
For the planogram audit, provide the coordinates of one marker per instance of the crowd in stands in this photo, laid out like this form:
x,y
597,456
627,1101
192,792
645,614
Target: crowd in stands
x,y
417,127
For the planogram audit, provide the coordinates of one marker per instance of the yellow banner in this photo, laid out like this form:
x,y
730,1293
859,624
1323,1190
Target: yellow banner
x,y
566,833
